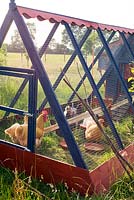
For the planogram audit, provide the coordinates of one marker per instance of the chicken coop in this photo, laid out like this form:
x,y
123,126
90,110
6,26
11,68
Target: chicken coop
x,y
86,101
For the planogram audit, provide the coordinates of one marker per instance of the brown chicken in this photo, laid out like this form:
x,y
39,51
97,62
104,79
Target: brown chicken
x,y
19,133
11,132
22,131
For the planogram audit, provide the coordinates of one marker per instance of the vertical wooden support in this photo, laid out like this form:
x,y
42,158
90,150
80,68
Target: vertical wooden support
x,y
32,109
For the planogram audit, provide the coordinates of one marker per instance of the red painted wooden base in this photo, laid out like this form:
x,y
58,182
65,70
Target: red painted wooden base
x,y
52,171
106,174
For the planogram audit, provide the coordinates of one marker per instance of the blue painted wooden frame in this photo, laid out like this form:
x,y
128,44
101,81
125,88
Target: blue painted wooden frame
x,y
111,57
48,90
13,14
30,76
41,52
32,108
92,82
90,67
5,26
66,67
58,79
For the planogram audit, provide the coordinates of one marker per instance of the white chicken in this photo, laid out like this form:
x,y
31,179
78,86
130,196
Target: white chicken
x,y
70,111
87,121
92,132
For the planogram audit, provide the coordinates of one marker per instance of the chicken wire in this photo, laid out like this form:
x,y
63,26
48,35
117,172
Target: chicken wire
x,y
94,150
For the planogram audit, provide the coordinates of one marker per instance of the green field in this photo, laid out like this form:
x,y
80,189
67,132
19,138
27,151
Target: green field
x,y
53,65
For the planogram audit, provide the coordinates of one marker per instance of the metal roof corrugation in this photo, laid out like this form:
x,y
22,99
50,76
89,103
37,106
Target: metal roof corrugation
x,y
52,17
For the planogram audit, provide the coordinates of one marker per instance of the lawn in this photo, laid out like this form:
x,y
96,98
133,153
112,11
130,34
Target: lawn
x,y
53,66
50,145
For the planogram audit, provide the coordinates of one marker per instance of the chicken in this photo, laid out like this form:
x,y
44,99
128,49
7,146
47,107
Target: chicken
x,y
88,121
11,132
40,128
22,131
19,133
40,121
70,111
25,119
92,132
67,112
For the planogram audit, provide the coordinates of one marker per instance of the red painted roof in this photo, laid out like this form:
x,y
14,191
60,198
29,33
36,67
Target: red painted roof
x,y
52,17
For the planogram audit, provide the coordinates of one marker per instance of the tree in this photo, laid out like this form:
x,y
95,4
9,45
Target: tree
x,y
52,44
78,33
32,31
62,49
17,43
91,45
3,54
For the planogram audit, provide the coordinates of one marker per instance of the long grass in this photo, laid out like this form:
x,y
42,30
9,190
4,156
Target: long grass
x,y
18,186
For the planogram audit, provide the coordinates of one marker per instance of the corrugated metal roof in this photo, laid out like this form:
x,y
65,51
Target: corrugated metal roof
x,y
52,17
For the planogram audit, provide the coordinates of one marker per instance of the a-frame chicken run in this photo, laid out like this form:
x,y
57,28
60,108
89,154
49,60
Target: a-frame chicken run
x,y
82,128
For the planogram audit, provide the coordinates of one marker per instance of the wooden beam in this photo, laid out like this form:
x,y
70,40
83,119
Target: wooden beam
x,y
80,117
72,120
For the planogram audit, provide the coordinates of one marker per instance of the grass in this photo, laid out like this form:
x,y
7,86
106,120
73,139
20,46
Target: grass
x,y
50,144
18,186
53,65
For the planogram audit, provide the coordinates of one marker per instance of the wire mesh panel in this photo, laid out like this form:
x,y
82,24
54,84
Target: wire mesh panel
x,y
92,144
115,119
99,75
